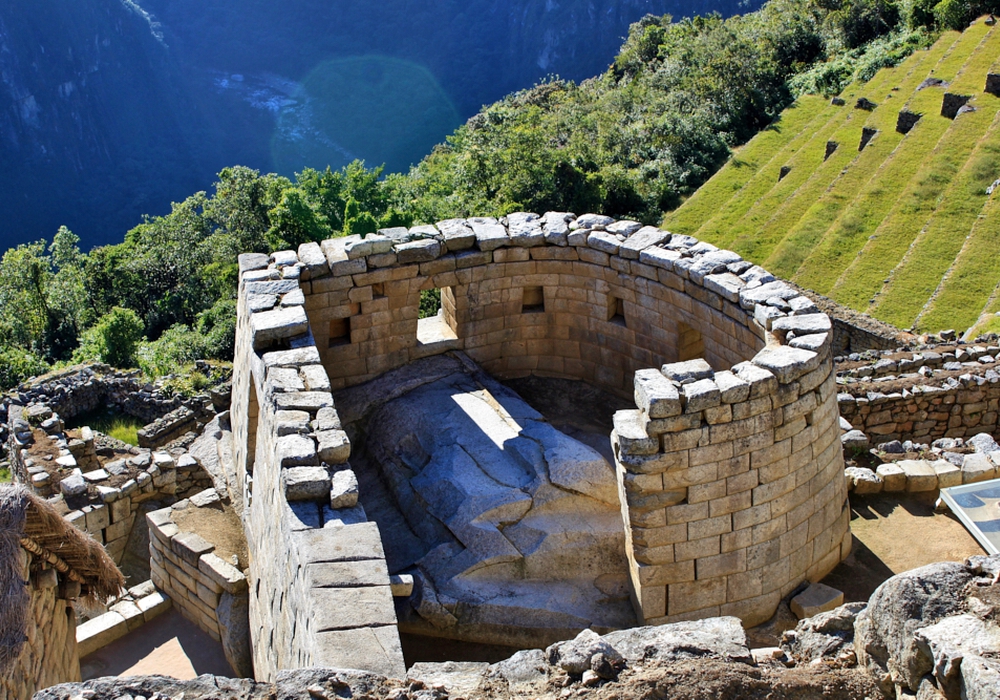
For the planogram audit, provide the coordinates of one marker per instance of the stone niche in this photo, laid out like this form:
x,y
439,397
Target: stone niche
x,y
728,470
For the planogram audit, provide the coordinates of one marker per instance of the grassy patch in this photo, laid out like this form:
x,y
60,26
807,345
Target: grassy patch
x,y
745,162
112,423
831,247
4,475
761,230
942,238
975,273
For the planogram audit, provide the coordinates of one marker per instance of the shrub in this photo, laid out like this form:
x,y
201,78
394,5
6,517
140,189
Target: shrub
x,y
114,339
16,365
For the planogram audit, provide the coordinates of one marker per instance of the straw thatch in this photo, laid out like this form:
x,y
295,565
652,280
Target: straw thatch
x,y
29,523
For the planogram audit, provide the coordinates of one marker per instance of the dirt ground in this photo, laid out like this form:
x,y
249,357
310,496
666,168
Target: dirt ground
x,y
220,526
169,645
895,533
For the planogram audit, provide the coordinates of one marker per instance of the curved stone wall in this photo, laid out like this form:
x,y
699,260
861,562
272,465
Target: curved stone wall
x,y
730,470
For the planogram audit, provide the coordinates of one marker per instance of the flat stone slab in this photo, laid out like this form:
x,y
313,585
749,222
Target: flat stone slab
x,y
306,483
920,475
687,372
375,649
818,598
787,363
351,574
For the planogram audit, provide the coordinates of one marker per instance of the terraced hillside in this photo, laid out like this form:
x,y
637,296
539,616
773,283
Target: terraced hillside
x,y
899,226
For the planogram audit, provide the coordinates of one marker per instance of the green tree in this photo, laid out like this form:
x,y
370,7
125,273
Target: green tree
x,y
114,339
294,222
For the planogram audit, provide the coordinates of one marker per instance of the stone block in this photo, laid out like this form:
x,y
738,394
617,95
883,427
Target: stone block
x,y
920,475
349,543
131,612
350,574
786,363
700,395
816,599
640,240
417,251
863,481
306,483
977,467
100,631
347,608
334,446
374,649
688,372
190,547
732,389
490,235
948,474
893,477
222,573
631,435
344,489
656,395
296,451
268,327
153,605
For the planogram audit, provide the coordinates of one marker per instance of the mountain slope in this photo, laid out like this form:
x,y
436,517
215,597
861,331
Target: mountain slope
x,y
111,109
902,228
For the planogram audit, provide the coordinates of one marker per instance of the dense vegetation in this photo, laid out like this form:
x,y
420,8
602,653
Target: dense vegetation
x,y
631,143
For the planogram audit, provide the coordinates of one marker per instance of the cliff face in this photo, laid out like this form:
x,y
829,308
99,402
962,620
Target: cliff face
x,y
112,108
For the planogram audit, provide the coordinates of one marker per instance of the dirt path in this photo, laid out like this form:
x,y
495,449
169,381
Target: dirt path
x,y
896,533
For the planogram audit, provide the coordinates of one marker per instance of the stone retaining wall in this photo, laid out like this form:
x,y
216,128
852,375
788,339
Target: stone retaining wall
x,y
207,590
320,592
49,654
731,482
935,394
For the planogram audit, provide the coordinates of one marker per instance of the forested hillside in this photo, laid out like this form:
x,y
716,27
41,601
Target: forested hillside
x,y
901,226
111,109
632,142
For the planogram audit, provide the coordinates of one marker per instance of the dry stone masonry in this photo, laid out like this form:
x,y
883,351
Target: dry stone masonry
x,y
729,470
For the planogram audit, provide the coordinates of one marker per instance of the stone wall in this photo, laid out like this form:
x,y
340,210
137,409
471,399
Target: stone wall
x,y
948,391
49,655
207,590
731,482
319,586
85,388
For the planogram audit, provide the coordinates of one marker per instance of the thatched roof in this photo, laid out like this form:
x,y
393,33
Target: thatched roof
x,y
28,522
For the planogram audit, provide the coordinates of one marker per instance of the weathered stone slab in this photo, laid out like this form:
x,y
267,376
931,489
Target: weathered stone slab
x,y
700,395
689,371
490,235
375,649
306,483
641,239
817,598
457,234
787,364
920,475
417,251
656,395
344,489
525,230
270,326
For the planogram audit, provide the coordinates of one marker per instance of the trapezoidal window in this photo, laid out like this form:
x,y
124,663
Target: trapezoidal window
x,y
340,328
690,344
437,316
616,311
533,300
